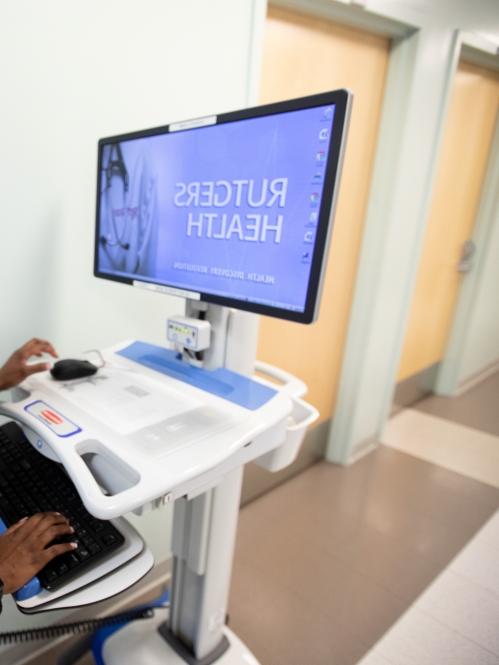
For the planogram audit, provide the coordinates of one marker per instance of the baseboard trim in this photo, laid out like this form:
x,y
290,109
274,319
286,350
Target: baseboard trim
x,y
363,449
477,378
414,388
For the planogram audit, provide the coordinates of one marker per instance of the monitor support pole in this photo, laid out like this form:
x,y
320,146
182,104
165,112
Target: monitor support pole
x,y
204,532
204,527
234,336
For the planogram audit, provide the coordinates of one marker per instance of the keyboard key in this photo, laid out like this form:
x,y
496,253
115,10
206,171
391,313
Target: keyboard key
x,y
51,575
82,554
109,539
94,548
72,560
61,568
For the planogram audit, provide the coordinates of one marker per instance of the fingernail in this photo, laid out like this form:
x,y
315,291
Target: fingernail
x,y
24,519
74,546
71,529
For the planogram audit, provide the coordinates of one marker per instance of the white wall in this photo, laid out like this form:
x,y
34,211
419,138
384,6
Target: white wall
x,y
71,73
481,347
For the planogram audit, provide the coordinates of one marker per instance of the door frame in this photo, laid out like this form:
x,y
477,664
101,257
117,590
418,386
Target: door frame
x,y
449,380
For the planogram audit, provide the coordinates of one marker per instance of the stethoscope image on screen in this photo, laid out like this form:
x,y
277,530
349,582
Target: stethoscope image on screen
x,y
127,213
115,167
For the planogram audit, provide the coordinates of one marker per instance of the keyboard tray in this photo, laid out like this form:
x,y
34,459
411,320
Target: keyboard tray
x,y
106,579
101,577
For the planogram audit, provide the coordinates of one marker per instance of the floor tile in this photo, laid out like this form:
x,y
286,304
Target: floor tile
x,y
402,570
331,585
355,546
291,632
249,609
479,563
403,491
489,533
374,658
251,593
381,489
455,447
464,607
419,639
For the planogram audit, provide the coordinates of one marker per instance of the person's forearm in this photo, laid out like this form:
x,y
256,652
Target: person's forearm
x,y
16,369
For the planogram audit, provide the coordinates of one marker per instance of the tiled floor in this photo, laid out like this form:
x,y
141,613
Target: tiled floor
x,y
456,620
327,563
465,450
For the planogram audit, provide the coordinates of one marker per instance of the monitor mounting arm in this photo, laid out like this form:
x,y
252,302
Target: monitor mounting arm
x,y
234,336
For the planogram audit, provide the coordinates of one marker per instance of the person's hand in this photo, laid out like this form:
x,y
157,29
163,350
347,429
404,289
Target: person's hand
x,y
16,368
24,547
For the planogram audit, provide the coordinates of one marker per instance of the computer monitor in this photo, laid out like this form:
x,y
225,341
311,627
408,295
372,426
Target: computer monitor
x,y
234,209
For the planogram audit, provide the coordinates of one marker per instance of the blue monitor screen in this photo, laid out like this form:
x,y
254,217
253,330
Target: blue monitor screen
x,y
231,209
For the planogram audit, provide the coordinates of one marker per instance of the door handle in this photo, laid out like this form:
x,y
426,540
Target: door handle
x,y
466,259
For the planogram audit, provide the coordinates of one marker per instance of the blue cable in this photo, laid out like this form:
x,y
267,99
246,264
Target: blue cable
x,y
104,634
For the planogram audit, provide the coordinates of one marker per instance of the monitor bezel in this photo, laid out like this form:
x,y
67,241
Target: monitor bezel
x,y
341,99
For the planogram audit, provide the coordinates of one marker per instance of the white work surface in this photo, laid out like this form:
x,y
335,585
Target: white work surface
x,y
149,437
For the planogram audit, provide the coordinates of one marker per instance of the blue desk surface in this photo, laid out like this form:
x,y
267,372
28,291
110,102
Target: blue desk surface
x,y
222,382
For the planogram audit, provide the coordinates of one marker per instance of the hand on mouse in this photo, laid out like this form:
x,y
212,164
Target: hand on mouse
x,y
16,368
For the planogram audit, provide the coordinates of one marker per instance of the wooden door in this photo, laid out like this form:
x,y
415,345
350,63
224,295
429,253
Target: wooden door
x,y
463,160
304,55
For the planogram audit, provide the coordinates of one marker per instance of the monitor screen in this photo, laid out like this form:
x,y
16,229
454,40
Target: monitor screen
x,y
234,209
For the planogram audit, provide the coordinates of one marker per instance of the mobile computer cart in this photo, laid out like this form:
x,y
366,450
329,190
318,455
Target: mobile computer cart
x,y
148,430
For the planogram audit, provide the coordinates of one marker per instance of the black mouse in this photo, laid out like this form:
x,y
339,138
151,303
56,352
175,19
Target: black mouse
x,y
65,370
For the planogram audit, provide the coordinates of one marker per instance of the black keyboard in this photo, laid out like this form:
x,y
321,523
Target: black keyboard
x,y
30,483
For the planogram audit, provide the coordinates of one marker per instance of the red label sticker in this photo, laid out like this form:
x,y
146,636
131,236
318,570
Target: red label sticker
x,y
52,417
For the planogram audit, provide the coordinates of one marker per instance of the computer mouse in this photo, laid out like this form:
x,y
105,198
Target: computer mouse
x,y
65,370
